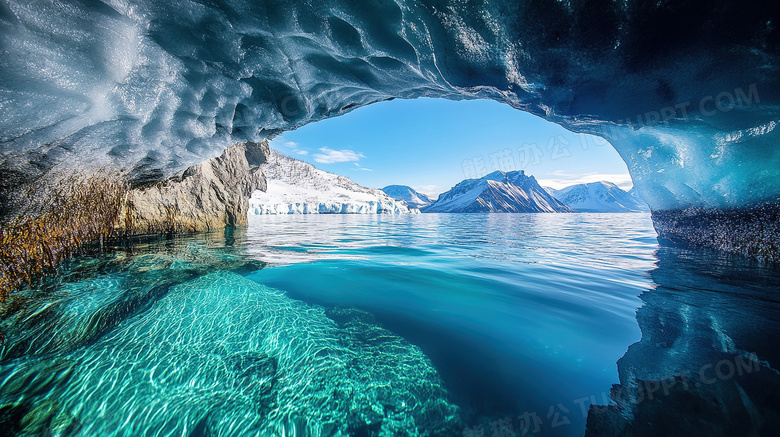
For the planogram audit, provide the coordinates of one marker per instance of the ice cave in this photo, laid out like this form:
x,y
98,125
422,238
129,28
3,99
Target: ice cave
x,y
686,91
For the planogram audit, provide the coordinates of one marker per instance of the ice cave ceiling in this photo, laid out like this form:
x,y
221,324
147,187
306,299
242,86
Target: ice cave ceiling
x,y
688,92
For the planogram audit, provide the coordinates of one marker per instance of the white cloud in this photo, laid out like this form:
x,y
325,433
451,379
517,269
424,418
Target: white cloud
x,y
284,143
280,142
330,156
562,179
359,167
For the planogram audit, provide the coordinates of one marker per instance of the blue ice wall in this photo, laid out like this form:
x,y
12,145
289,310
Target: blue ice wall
x,y
686,91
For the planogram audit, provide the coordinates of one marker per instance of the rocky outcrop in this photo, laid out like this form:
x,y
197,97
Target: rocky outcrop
x,y
210,195
752,232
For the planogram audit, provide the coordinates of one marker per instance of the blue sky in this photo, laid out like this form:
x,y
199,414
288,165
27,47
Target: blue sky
x,y
432,144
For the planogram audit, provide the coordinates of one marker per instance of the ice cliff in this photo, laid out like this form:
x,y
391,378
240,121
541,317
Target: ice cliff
x,y
686,91
296,187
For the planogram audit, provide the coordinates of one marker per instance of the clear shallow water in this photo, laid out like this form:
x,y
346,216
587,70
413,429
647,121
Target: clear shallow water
x,y
378,325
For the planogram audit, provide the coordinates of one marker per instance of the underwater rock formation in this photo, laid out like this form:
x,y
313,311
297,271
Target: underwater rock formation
x,y
206,196
117,286
687,91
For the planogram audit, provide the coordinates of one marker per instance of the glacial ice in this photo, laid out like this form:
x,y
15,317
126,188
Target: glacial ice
x,y
706,352
154,86
297,187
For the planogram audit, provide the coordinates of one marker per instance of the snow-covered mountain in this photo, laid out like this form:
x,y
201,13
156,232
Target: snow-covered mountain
x,y
599,197
296,187
498,192
408,195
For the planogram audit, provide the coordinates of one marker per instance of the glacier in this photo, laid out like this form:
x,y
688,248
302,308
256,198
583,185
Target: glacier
x,y
687,92
297,187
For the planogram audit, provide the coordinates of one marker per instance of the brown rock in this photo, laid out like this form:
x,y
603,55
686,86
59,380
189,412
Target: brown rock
x,y
210,195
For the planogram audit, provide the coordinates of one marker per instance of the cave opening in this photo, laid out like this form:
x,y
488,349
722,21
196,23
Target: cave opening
x,y
431,145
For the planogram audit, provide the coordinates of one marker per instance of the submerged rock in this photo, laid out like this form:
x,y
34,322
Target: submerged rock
x,y
91,296
206,196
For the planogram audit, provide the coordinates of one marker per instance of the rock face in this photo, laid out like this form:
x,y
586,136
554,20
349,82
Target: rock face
x,y
206,196
752,232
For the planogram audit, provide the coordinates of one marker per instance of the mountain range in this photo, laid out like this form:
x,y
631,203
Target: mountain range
x,y
516,192
297,187
600,196
497,192
412,198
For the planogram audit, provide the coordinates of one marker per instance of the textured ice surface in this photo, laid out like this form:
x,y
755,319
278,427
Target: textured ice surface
x,y
157,85
297,187
222,355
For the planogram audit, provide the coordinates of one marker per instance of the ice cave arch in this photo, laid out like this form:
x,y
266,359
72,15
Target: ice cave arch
x,y
687,91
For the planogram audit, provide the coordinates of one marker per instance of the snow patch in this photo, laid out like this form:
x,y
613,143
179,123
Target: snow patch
x,y
296,187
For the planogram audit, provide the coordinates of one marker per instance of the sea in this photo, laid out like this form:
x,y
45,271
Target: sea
x,y
373,325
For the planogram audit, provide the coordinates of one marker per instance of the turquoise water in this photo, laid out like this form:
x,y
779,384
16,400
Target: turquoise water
x,y
354,325
518,312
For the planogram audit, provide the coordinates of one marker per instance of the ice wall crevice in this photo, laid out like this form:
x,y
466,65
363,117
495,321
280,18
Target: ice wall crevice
x,y
688,92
